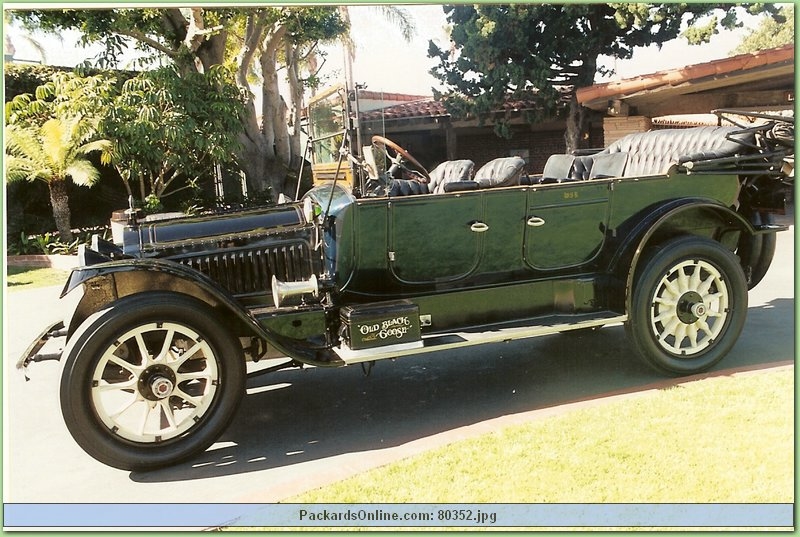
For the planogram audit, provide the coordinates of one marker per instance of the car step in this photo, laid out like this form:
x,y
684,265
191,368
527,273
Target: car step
x,y
539,326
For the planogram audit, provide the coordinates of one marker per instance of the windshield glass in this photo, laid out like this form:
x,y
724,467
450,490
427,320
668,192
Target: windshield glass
x,y
326,119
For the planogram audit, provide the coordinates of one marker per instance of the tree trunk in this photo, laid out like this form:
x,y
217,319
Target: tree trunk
x,y
576,121
296,91
59,199
577,117
273,115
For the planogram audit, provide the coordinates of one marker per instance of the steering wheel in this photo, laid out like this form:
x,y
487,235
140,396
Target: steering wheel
x,y
400,155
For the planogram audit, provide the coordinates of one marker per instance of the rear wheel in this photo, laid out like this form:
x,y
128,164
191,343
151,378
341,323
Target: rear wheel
x,y
150,381
689,305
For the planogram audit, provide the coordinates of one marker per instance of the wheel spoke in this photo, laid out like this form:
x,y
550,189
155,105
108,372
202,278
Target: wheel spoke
x,y
703,288
672,288
145,354
127,366
694,280
166,411
129,384
164,352
669,329
187,355
195,401
195,375
123,408
682,281
670,303
691,332
680,335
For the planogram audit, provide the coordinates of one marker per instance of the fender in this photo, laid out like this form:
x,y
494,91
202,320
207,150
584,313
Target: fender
x,y
106,282
725,221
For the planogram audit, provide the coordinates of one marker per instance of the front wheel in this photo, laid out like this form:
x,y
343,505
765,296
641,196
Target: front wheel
x,y
149,381
688,307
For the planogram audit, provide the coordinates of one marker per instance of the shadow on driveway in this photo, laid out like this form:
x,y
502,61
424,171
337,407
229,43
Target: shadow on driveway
x,y
296,416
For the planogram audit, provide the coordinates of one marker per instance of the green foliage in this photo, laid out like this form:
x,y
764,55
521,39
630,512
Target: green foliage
x,y
546,51
201,40
770,33
54,151
51,244
49,138
167,127
152,204
23,78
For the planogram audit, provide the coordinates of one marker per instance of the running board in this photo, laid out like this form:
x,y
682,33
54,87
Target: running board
x,y
540,326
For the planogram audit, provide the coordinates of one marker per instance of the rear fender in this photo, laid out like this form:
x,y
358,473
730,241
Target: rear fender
x,y
698,217
107,282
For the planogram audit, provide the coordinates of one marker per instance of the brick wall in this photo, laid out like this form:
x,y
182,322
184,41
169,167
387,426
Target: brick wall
x,y
615,128
483,147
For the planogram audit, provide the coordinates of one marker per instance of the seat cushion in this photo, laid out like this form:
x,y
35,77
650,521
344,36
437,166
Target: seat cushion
x,y
450,171
557,168
505,171
655,152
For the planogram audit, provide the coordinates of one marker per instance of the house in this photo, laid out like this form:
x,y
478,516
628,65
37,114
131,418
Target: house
x,y
759,81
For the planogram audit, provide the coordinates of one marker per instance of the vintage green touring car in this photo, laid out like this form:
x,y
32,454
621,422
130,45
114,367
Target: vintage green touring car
x,y
663,231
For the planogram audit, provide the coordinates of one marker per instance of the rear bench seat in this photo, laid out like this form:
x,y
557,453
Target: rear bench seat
x,y
652,153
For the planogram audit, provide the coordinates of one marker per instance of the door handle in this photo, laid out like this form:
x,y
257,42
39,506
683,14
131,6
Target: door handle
x,y
535,221
478,227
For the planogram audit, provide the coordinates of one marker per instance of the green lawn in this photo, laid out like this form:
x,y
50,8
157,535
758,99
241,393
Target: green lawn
x,y
20,278
723,439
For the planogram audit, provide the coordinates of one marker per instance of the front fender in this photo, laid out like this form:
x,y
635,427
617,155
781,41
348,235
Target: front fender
x,y
107,282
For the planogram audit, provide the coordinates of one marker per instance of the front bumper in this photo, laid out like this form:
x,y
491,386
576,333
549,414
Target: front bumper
x,y
54,333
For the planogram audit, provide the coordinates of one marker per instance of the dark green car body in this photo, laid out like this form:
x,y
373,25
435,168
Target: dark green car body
x,y
342,277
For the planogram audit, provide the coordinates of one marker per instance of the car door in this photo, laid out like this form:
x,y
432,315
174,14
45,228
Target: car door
x,y
566,224
435,238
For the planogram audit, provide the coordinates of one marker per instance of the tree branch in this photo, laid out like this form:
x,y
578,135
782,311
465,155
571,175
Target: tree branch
x,y
142,38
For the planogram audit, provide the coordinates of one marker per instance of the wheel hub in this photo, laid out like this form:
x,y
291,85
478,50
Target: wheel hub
x,y
157,382
691,307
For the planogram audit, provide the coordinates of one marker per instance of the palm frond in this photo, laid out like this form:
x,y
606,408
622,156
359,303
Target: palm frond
x,y
82,172
55,142
106,148
23,169
399,17
24,142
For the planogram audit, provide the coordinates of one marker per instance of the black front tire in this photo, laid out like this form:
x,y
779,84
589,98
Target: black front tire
x,y
688,306
150,381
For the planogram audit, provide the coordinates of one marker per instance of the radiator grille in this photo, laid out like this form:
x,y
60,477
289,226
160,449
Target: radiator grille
x,y
251,270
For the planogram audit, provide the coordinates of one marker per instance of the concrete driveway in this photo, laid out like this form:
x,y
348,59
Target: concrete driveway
x,y
298,430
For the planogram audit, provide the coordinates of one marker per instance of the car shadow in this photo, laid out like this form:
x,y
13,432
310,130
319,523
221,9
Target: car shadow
x,y
295,416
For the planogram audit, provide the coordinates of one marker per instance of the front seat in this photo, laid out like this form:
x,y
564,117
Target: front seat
x,y
504,171
449,171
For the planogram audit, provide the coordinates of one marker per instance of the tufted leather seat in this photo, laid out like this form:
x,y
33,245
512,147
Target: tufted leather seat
x,y
504,171
655,152
405,187
557,168
599,166
450,171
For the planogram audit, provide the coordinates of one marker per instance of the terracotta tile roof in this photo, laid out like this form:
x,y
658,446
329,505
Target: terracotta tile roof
x,y
673,77
425,107
430,108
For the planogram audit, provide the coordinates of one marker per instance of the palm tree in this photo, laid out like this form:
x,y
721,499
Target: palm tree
x,y
55,153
